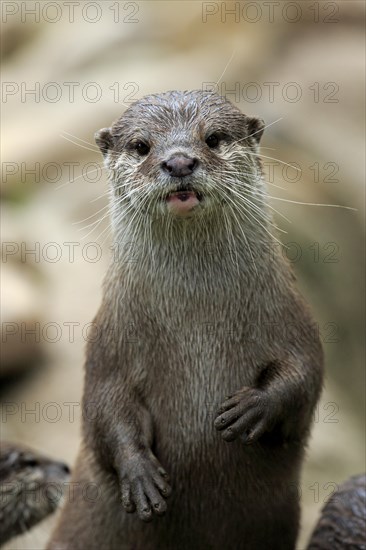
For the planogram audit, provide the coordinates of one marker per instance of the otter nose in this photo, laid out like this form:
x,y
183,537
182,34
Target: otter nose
x,y
180,166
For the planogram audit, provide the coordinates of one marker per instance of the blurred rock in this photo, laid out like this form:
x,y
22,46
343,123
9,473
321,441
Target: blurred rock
x,y
21,312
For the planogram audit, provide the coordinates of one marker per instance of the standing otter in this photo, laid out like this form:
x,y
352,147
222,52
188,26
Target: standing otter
x,y
208,366
31,486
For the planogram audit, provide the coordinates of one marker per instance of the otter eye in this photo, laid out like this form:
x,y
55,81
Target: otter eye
x,y
213,140
29,461
142,148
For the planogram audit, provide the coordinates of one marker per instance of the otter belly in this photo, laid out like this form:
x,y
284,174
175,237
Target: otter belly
x,y
224,496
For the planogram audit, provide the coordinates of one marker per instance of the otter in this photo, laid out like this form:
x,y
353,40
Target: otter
x,y
31,487
342,523
201,383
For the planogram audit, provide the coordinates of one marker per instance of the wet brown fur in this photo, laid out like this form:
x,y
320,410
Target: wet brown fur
x,y
200,320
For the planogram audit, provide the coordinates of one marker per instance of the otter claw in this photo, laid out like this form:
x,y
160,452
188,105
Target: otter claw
x,y
144,488
244,414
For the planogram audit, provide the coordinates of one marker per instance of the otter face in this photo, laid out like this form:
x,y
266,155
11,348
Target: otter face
x,y
31,487
182,154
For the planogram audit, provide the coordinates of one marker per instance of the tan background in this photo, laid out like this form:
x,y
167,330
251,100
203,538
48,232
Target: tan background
x,y
169,45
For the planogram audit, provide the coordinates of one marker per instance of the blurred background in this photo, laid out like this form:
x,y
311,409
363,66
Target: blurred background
x,y
69,70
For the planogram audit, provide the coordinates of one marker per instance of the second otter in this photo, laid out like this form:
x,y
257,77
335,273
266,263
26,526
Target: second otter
x,y
207,370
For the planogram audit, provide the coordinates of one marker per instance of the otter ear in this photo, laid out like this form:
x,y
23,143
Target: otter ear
x,y
255,128
104,140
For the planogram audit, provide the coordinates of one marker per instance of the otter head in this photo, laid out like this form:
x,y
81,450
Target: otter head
x,y
183,155
31,487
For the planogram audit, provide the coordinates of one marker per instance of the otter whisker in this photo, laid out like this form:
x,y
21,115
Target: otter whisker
x,y
250,213
226,67
258,131
234,207
136,215
234,187
78,144
78,177
91,216
82,140
259,209
314,203
266,126
105,194
96,224
244,236
232,247
272,158
98,221
125,213
241,174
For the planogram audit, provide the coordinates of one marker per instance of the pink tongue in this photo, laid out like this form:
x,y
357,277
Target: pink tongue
x,y
182,202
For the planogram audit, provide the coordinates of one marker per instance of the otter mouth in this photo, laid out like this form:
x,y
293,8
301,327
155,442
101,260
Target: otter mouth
x,y
183,200
184,196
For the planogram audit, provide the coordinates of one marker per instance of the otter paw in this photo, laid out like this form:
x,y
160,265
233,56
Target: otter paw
x,y
247,413
144,487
